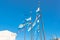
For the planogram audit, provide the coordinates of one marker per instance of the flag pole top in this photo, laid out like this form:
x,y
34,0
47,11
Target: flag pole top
x,y
39,3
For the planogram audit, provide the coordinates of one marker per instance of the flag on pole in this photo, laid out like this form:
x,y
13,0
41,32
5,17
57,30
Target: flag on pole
x,y
28,19
21,25
37,21
34,23
38,9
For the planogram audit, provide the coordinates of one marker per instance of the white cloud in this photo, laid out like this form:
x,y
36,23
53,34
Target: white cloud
x,y
7,35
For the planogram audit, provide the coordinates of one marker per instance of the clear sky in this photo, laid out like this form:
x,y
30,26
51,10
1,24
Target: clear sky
x,y
13,12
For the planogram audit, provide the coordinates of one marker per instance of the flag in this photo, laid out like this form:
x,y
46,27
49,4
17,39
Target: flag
x,y
37,21
28,19
21,25
38,9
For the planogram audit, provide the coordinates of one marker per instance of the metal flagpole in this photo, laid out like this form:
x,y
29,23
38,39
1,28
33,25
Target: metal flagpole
x,y
42,25
38,11
43,31
25,33
40,29
31,26
44,35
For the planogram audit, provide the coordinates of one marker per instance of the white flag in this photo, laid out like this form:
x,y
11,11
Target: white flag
x,y
28,19
37,21
32,26
21,25
29,29
38,10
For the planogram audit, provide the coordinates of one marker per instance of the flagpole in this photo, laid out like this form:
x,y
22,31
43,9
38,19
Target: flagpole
x,y
39,20
25,33
43,31
44,35
31,26
40,29
25,30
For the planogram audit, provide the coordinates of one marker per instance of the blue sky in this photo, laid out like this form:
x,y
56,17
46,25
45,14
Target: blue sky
x,y
13,12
